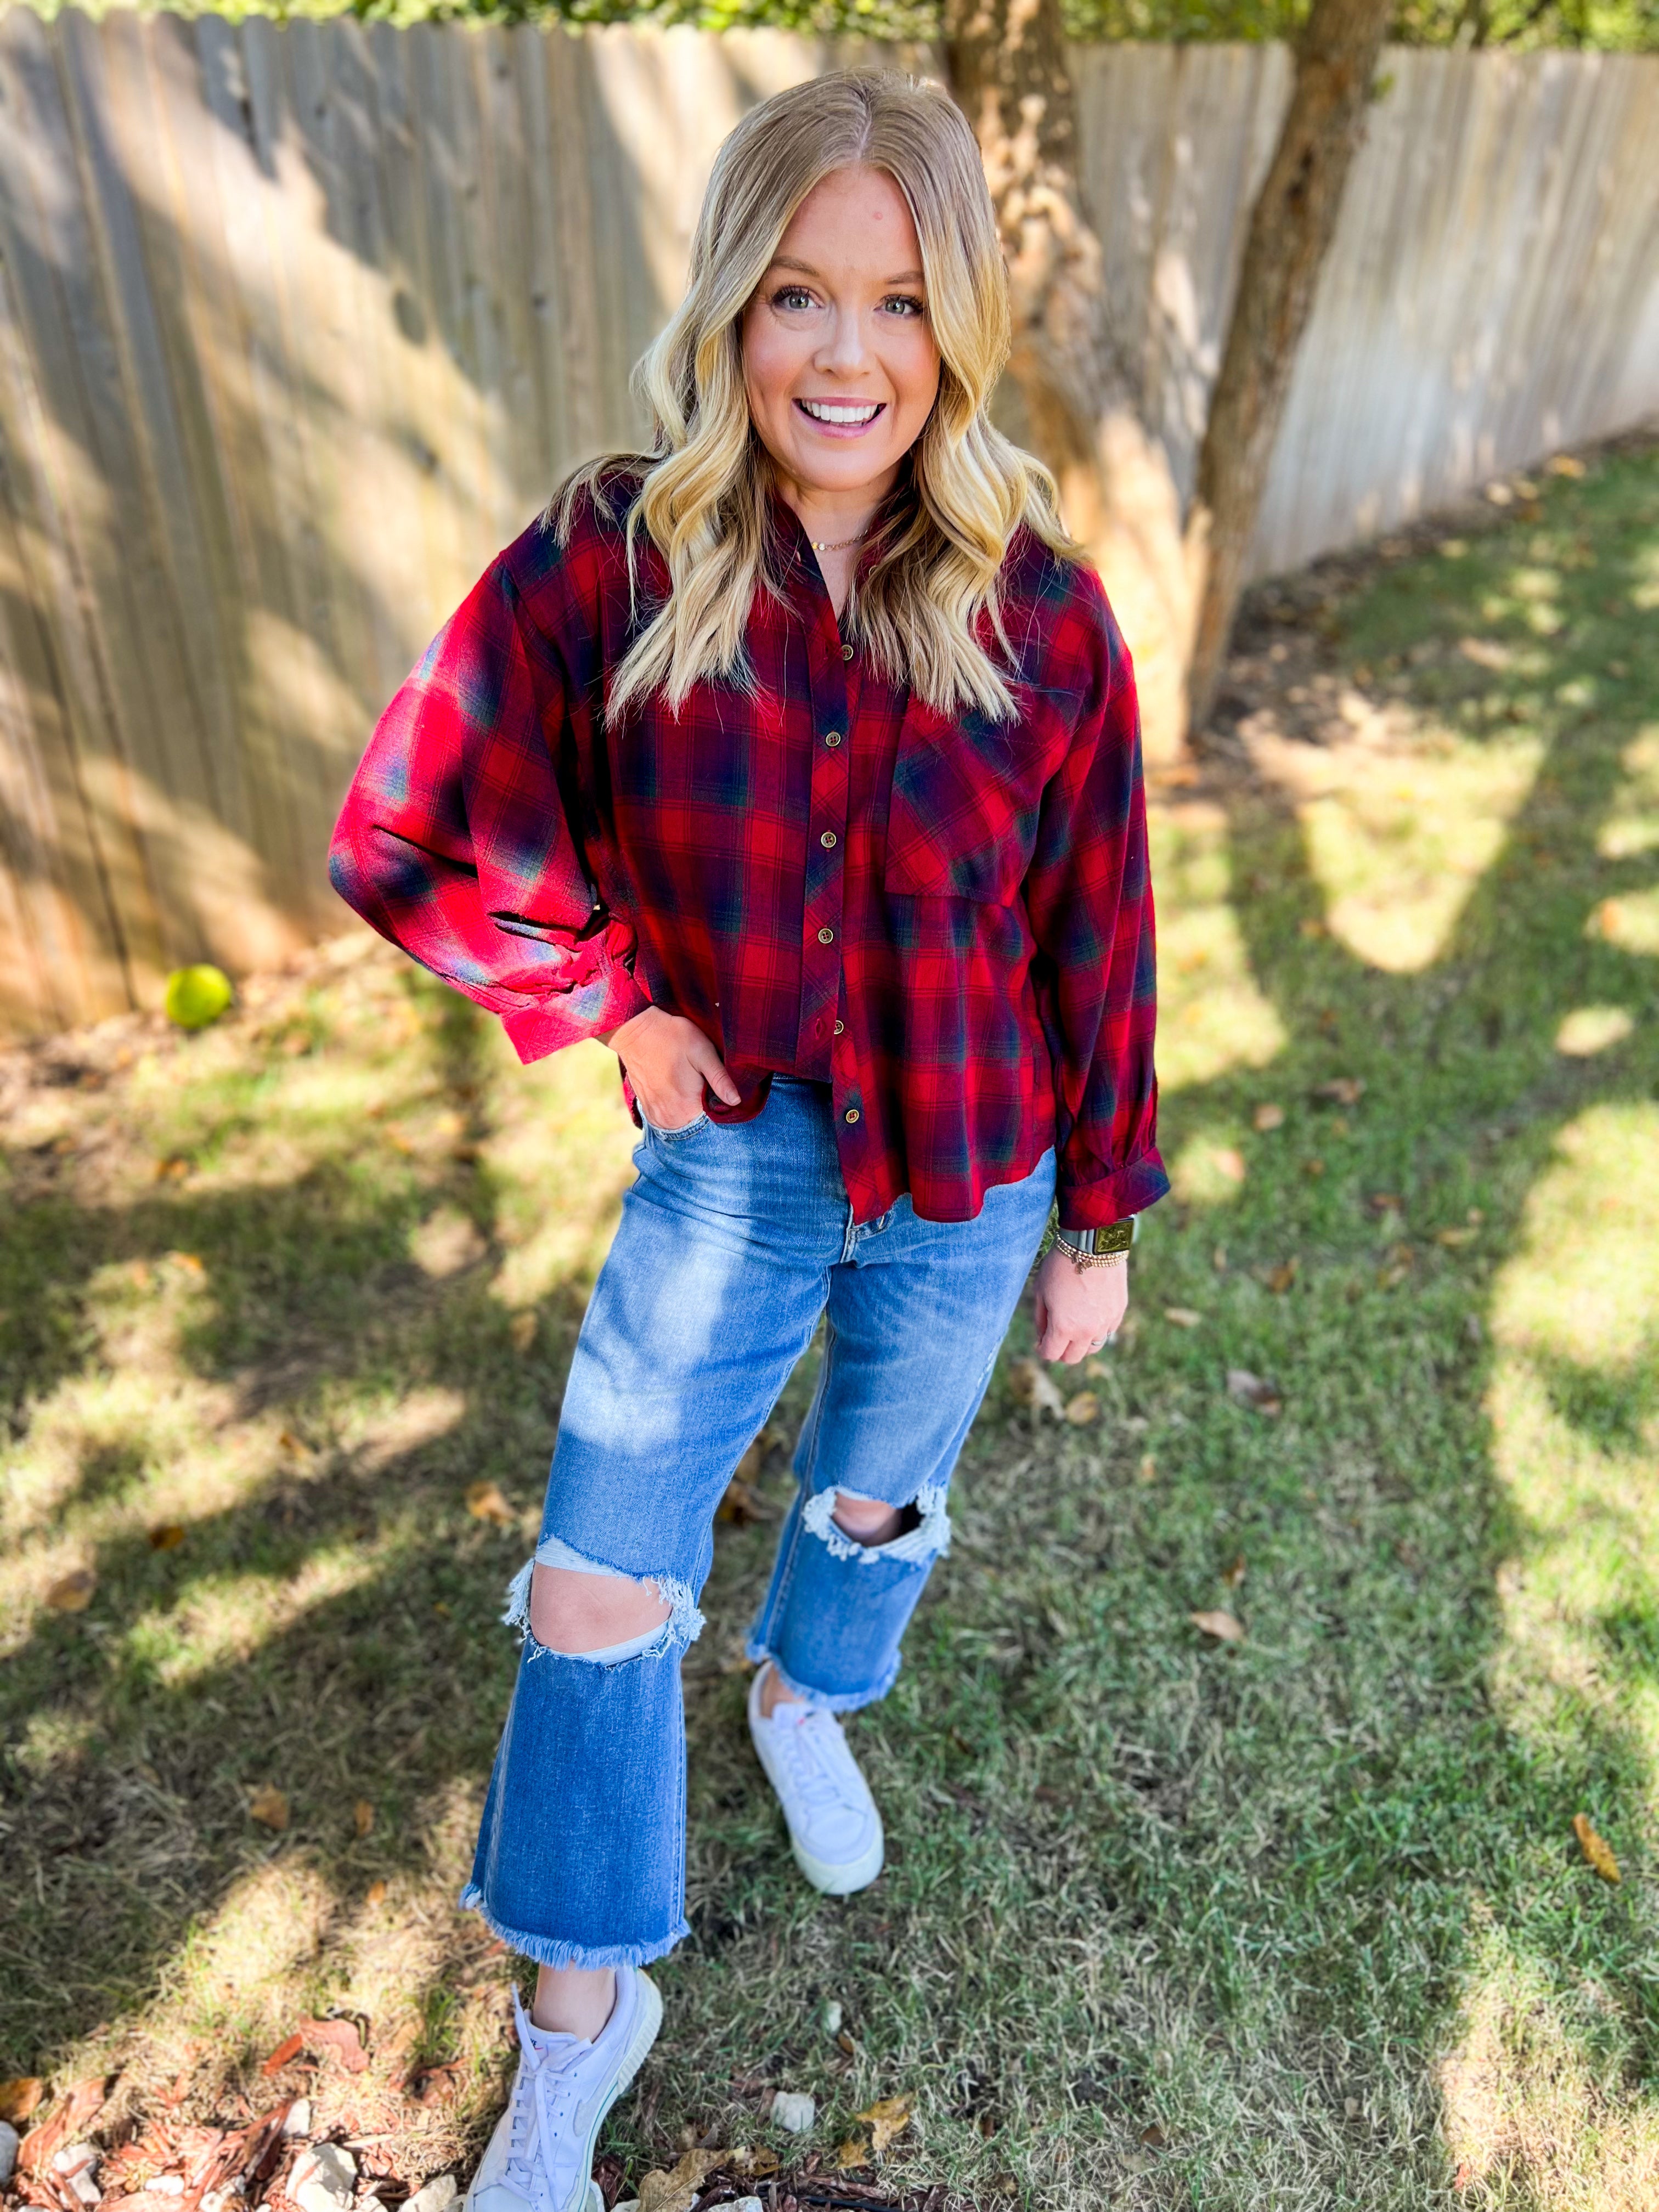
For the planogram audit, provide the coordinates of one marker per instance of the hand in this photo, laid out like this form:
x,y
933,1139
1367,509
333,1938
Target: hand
x,y
668,1060
1075,1309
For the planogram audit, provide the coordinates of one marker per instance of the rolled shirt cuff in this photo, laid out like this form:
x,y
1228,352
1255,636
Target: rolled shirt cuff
x,y
1126,1190
607,999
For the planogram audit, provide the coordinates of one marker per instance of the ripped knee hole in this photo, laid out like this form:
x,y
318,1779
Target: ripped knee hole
x,y
869,1529
581,1609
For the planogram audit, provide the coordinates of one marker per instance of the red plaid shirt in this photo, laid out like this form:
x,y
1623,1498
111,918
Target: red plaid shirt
x,y
950,918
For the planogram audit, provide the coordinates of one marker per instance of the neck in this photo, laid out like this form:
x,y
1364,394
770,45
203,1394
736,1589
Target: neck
x,y
830,517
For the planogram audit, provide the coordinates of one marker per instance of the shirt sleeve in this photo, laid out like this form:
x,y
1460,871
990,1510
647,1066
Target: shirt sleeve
x,y
1089,895
454,841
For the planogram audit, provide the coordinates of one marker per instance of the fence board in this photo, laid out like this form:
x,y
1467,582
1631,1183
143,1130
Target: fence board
x,y
298,323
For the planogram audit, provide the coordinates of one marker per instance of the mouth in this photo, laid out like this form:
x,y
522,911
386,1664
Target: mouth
x,y
844,416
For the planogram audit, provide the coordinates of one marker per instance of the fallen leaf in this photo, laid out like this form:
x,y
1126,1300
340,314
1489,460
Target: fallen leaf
x,y
1596,1848
1031,1385
433,2086
852,2155
1311,926
1279,1280
188,1263
485,1502
741,1504
888,2118
1315,1167
1229,1162
1390,1278
375,1893
1153,2137
1223,1626
757,2163
522,1331
1565,465
72,1593
1254,1390
676,2191
362,1817
71,2117
166,1536
1183,1316
286,2051
1453,1239
1096,1370
343,2037
1234,1575
1082,1409
1147,1471
21,2097
1268,1116
1384,1201
295,1447
1346,1089
268,1806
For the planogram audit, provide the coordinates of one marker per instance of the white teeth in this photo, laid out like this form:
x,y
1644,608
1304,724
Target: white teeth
x,y
821,411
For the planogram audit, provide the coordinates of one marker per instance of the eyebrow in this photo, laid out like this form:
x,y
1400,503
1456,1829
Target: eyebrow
x,y
786,261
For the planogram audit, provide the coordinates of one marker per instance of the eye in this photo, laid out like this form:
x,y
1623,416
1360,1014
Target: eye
x,y
792,296
903,304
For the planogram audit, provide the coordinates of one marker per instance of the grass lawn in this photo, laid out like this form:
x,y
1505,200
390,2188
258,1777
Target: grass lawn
x,y
1297,1921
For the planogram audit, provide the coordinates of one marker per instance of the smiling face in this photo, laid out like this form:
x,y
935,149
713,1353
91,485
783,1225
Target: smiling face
x,y
839,360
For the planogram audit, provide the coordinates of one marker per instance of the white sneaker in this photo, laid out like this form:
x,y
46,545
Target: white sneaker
x,y
834,1826
541,2155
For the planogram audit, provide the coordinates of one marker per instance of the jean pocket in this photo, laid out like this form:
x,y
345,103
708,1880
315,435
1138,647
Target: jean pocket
x,y
675,1136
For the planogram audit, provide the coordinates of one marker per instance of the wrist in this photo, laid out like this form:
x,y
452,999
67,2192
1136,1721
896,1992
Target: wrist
x,y
1105,1246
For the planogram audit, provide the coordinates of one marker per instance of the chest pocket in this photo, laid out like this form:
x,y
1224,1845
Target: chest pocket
x,y
967,794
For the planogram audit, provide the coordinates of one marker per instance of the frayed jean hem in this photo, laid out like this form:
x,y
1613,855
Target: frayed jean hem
x,y
830,1701
550,1951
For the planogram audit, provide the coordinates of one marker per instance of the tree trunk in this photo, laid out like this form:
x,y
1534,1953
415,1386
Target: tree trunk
x,y
1079,400
1082,402
1291,226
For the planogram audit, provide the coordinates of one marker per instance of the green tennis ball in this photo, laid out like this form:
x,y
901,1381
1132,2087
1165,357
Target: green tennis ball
x,y
197,996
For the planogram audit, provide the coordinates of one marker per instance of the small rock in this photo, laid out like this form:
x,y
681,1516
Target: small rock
x,y
627,2204
793,2110
833,2017
436,2196
298,2122
8,2140
77,2168
742,2204
324,2179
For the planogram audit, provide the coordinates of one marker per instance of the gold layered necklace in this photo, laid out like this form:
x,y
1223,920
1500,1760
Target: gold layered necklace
x,y
835,544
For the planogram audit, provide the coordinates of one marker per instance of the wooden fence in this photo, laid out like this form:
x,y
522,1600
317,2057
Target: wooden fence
x,y
298,324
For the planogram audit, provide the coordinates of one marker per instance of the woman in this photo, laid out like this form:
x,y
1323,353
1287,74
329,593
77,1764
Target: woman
x,y
797,761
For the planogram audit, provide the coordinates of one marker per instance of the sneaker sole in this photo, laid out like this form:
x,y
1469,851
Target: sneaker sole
x,y
646,2030
834,1880
840,1880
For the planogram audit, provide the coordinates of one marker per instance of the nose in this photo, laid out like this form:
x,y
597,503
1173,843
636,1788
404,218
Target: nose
x,y
843,352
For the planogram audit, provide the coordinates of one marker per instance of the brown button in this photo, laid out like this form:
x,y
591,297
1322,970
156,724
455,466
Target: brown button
x,y
832,736
827,838
840,1026
826,937
847,652
851,1115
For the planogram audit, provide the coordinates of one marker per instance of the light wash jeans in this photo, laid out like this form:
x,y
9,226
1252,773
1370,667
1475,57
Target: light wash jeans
x,y
734,1241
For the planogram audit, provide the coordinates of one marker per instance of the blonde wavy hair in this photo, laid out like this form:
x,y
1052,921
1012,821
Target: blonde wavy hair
x,y
926,597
